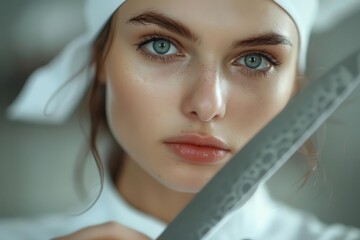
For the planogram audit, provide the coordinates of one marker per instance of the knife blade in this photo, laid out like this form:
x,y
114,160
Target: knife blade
x,y
264,154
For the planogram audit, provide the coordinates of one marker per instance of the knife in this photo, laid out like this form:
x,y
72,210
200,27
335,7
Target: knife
x,y
264,154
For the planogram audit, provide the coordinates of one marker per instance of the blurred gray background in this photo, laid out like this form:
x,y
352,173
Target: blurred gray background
x,y
37,161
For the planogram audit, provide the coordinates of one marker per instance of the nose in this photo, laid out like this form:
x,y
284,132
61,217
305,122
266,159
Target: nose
x,y
205,98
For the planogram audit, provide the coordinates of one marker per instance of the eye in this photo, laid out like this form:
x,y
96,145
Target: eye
x,y
160,46
255,61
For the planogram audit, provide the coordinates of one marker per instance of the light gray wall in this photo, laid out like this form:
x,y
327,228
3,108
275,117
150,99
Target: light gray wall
x,y
37,161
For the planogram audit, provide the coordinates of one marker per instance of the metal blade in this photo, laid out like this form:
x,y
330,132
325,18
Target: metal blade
x,y
266,152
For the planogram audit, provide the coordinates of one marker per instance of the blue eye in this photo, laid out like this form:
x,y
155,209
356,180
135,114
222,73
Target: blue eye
x,y
254,61
160,47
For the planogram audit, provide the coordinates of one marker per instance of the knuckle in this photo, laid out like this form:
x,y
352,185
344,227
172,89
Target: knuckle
x,y
112,226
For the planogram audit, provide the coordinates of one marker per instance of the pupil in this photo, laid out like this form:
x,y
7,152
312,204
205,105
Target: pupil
x,y
253,61
161,46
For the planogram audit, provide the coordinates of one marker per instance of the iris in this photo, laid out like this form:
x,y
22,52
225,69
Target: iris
x,y
253,61
161,46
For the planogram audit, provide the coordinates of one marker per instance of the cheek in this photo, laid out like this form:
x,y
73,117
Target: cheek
x,y
276,99
254,110
126,102
130,106
139,105
280,89
139,95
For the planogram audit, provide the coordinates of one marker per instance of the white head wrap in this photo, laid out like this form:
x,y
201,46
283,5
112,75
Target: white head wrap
x,y
48,97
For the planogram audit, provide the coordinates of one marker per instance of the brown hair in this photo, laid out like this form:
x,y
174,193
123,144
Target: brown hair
x,y
96,106
95,110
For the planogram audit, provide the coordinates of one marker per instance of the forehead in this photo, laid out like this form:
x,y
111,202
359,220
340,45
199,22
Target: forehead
x,y
206,17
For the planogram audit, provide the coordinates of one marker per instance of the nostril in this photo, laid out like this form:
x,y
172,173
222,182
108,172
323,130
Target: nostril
x,y
194,114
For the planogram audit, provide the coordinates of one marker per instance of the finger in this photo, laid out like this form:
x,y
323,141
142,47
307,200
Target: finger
x,y
106,231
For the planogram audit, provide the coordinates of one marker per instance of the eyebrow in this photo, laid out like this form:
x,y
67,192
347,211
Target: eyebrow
x,y
271,38
163,21
166,22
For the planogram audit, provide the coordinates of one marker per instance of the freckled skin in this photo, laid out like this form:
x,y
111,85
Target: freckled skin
x,y
148,102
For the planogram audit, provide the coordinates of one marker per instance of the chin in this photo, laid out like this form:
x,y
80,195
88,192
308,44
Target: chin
x,y
184,183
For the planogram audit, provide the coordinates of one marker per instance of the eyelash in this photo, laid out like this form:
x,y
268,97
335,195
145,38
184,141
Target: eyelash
x,y
160,58
274,63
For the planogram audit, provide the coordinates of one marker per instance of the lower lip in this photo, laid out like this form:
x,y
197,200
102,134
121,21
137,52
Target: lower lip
x,y
197,154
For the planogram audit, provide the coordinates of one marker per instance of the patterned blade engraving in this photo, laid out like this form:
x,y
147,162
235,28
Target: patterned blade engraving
x,y
266,152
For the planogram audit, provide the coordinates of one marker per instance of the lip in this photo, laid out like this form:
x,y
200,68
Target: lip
x,y
196,148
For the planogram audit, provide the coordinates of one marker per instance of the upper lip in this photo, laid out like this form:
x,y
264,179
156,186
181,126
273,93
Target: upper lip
x,y
200,140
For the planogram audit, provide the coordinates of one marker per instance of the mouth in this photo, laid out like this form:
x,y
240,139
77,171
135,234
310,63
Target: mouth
x,y
198,149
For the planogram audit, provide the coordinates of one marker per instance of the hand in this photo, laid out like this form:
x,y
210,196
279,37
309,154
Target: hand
x,y
107,231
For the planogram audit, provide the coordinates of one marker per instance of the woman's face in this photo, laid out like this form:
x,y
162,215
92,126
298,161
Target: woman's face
x,y
190,82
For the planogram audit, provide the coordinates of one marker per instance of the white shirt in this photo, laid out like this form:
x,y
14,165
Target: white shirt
x,y
259,219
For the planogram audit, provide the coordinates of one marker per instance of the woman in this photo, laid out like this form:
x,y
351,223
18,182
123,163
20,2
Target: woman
x,y
188,83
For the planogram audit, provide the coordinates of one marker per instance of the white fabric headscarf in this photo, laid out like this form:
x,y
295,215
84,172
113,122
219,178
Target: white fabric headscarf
x,y
49,97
